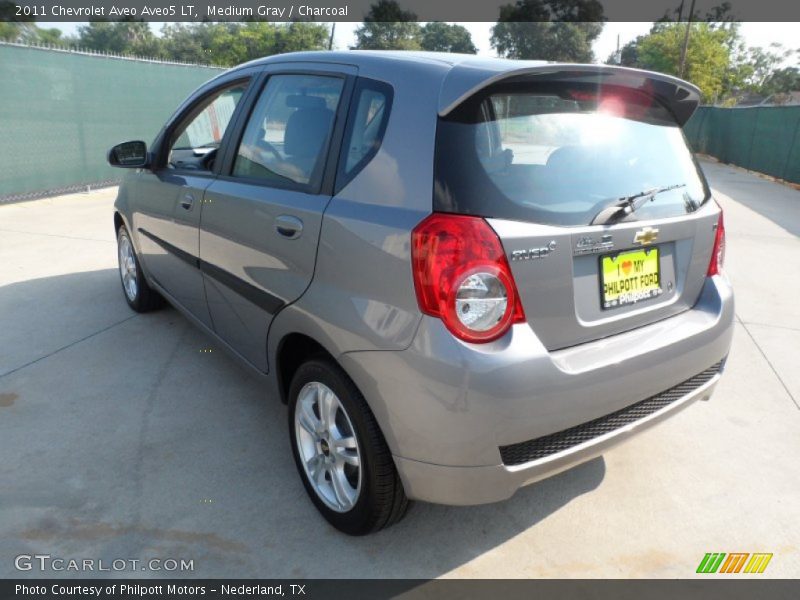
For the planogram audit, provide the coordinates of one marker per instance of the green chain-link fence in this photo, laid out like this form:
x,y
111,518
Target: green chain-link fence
x,y
60,111
762,138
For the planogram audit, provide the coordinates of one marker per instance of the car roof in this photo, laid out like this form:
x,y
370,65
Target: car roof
x,y
459,76
365,57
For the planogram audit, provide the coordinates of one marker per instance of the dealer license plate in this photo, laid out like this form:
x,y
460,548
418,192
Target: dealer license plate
x,y
629,277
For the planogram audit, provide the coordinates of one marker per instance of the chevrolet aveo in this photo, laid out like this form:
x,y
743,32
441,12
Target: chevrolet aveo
x,y
462,275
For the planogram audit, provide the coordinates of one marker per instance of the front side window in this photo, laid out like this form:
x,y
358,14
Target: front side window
x,y
558,153
286,138
197,138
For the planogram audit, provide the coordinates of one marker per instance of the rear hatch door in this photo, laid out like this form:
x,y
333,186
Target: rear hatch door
x,y
542,156
564,289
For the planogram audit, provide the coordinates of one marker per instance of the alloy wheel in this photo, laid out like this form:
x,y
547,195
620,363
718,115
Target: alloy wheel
x,y
327,446
127,267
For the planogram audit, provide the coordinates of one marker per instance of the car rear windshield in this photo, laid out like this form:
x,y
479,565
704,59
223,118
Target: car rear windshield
x,y
558,153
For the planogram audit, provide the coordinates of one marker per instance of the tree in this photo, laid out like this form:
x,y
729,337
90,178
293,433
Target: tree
x,y
708,57
782,81
17,31
388,27
721,13
718,61
120,37
754,67
560,30
48,36
445,37
229,44
226,44
299,36
12,29
628,55
188,43
23,29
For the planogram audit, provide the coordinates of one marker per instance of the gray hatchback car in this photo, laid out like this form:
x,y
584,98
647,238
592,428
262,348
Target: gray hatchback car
x,y
461,274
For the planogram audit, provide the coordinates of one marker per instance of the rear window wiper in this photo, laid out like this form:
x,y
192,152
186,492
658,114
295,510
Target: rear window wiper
x,y
622,207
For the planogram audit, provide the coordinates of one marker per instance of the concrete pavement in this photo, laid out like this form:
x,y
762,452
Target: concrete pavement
x,y
122,436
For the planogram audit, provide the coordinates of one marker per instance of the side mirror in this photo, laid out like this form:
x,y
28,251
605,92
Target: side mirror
x,y
129,155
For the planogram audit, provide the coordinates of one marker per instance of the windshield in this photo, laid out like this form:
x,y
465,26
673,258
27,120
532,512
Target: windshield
x,y
559,153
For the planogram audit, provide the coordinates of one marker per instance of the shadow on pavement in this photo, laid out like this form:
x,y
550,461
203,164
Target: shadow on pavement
x,y
127,438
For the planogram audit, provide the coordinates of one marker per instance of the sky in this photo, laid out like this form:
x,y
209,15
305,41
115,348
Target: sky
x,y
755,34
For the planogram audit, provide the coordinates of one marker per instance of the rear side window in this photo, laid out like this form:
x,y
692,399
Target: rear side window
x,y
286,138
557,153
366,125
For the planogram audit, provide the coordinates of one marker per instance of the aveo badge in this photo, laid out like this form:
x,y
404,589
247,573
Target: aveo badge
x,y
533,253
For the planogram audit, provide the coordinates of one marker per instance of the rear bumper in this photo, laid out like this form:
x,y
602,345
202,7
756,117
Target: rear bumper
x,y
480,485
447,408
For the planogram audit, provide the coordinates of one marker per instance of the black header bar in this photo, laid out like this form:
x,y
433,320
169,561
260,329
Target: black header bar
x,y
354,10
711,588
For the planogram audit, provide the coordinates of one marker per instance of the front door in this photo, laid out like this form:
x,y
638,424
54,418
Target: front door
x,y
169,198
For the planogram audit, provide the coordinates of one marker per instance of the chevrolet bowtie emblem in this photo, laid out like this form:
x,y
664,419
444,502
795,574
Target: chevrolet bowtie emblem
x,y
645,236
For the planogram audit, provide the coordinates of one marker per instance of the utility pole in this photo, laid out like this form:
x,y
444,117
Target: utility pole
x,y
333,31
686,39
619,56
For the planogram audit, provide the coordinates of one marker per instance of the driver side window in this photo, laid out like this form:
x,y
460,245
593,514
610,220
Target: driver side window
x,y
197,138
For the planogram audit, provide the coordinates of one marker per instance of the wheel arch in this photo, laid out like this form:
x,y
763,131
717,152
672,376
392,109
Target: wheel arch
x,y
293,350
118,221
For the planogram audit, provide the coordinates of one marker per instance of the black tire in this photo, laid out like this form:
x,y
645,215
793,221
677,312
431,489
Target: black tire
x,y
381,501
146,298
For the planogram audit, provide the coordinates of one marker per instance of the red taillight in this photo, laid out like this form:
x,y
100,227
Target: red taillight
x,y
718,253
461,275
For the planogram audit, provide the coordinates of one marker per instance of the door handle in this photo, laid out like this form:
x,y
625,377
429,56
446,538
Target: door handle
x,y
187,202
288,226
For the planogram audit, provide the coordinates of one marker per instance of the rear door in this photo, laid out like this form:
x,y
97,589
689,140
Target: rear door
x,y
541,160
261,218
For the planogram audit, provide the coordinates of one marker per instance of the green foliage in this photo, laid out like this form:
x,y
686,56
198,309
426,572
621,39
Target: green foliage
x,y
188,43
708,56
229,44
12,31
754,67
225,44
560,30
298,36
717,59
388,27
23,29
628,54
782,81
122,37
49,36
445,37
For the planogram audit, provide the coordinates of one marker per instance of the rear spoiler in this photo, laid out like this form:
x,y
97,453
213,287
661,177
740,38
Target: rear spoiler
x,y
464,80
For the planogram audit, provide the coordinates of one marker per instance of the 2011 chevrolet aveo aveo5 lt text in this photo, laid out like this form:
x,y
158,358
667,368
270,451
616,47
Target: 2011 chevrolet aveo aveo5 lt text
x,y
461,274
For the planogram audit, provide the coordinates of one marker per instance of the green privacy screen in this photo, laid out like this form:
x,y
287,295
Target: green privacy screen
x,y
762,138
61,111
